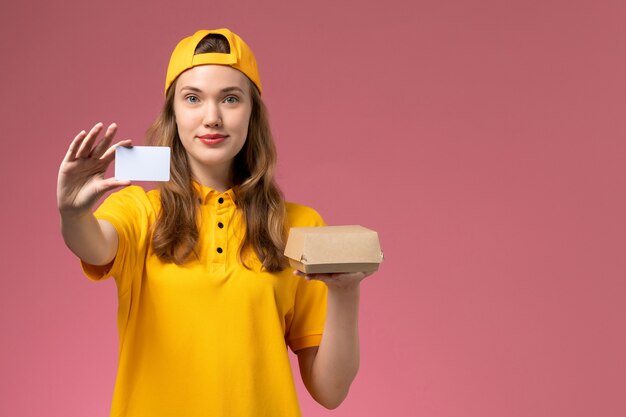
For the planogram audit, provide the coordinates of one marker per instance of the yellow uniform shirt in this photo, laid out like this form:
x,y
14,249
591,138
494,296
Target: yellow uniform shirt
x,y
208,338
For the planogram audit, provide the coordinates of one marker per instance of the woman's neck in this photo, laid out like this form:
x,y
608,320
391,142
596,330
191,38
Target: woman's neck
x,y
218,178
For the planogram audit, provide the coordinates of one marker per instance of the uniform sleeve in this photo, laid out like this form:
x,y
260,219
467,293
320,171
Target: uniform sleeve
x,y
309,310
130,213
307,325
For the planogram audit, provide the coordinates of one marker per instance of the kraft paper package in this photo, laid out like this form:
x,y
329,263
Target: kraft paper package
x,y
333,249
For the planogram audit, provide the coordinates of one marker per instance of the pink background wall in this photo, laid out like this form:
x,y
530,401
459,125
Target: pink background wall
x,y
484,140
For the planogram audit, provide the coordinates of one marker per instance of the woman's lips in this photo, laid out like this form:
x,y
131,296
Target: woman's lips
x,y
212,140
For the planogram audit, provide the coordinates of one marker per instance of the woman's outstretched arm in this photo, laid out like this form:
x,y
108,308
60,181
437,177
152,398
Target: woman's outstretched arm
x,y
328,370
80,184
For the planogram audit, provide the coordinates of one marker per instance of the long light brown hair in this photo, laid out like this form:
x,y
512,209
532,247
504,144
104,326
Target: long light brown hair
x,y
176,231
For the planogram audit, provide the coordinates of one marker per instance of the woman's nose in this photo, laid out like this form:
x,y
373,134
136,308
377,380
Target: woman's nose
x,y
212,116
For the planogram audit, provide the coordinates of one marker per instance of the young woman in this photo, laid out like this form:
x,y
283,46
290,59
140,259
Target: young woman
x,y
207,305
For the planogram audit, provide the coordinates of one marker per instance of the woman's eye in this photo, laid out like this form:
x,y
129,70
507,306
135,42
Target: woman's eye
x,y
231,99
191,99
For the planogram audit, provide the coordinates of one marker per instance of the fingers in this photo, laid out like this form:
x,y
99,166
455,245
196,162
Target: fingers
x,y
104,143
85,147
312,276
302,274
81,146
343,277
73,149
109,155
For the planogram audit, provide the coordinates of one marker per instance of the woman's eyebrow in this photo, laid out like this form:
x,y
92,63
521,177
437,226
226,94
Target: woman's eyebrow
x,y
191,88
224,90
227,89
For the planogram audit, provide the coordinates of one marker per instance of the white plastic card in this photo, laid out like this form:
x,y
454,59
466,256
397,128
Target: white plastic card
x,y
142,163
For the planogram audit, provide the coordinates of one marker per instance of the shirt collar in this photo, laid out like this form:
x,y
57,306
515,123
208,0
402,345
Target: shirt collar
x,y
207,193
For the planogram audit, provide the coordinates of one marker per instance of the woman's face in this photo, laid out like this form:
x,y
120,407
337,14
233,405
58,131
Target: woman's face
x,y
212,105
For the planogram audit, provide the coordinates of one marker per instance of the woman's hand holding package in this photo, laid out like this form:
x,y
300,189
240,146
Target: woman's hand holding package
x,y
337,281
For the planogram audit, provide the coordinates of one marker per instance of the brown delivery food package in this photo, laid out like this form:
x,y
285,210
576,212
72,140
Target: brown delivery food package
x,y
332,249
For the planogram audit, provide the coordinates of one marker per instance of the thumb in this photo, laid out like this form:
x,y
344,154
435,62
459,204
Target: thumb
x,y
111,184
